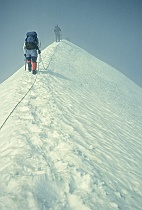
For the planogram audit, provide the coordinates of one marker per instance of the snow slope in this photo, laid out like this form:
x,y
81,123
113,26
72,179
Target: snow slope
x,y
71,136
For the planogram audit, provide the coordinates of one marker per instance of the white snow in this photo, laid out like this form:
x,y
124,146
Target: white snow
x,y
74,142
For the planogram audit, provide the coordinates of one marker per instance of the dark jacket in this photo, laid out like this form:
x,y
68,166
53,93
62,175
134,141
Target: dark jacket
x,y
57,30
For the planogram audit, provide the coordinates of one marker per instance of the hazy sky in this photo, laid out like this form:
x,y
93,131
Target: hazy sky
x,y
111,30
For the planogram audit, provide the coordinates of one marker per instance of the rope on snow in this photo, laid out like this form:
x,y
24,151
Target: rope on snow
x,y
40,58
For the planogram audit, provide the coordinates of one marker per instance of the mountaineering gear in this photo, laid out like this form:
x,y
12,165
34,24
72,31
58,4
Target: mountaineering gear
x,y
34,65
31,41
34,72
31,46
25,63
57,32
29,65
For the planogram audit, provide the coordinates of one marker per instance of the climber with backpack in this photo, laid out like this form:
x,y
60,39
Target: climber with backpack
x,y
31,51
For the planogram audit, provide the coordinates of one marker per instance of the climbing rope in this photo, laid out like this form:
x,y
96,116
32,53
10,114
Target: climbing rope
x,y
40,58
20,100
45,68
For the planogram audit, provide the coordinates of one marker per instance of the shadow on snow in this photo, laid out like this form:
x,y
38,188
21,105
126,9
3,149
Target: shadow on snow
x,y
54,74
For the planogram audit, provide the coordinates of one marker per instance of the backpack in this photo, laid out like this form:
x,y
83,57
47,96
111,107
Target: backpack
x,y
31,41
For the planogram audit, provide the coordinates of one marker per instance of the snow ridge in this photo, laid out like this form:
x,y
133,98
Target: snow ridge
x,y
74,141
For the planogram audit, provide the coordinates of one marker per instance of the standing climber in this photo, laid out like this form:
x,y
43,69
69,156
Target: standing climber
x,y
57,32
31,47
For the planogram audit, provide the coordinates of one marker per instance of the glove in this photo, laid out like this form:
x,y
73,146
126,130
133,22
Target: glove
x,y
39,51
25,55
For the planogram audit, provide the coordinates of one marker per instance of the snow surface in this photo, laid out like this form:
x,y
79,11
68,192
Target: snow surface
x,y
73,135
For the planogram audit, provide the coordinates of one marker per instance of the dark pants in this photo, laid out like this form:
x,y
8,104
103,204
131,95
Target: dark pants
x,y
58,37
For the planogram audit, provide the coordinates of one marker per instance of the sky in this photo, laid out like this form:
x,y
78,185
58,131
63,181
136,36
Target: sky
x,y
111,30
65,146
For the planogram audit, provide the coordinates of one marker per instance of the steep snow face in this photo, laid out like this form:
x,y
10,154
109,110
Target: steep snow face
x,y
73,136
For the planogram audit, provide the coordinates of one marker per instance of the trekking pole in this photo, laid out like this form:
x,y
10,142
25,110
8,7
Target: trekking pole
x,y
25,63
39,58
39,45
39,55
